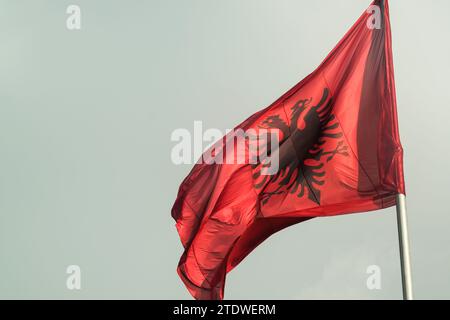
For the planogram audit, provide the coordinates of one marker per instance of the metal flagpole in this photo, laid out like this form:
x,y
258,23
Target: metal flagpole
x,y
405,258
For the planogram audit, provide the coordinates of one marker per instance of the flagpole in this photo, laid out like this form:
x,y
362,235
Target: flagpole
x,y
405,258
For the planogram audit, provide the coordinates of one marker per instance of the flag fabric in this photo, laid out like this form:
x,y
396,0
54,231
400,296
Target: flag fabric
x,y
339,153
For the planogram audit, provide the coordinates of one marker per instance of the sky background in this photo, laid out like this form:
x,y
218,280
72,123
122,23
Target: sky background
x,y
85,122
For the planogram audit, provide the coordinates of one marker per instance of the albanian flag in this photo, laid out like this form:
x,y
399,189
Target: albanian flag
x,y
339,152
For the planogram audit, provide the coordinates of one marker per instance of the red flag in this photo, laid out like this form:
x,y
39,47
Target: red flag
x,y
339,153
